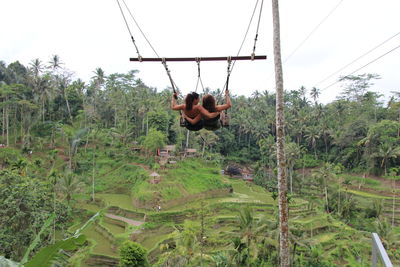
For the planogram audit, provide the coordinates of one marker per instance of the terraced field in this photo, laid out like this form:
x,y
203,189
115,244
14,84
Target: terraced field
x,y
122,219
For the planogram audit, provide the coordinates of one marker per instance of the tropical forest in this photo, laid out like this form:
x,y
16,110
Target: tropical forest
x,y
101,173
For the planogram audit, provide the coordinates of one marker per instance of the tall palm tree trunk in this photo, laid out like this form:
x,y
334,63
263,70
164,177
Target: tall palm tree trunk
x,y
394,201
7,127
280,125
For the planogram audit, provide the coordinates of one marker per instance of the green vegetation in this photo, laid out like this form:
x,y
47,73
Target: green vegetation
x,y
82,153
132,255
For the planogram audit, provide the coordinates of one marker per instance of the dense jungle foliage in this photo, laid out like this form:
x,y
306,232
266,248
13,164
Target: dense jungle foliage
x,y
68,145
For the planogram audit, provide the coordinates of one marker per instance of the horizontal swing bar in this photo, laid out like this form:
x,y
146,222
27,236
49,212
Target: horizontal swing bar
x,y
197,58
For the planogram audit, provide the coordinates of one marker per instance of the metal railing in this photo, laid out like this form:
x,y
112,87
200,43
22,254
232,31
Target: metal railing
x,y
378,249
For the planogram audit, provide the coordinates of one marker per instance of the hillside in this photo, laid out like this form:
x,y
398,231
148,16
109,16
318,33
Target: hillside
x,y
192,198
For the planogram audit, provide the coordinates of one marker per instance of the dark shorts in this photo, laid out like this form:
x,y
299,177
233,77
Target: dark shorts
x,y
212,124
194,127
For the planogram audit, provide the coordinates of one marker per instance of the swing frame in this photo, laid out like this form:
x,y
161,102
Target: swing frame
x,y
154,59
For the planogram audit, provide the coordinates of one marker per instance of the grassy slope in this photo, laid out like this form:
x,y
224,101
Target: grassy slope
x,y
117,181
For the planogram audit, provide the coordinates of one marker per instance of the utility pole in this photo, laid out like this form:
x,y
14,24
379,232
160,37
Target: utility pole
x,y
284,252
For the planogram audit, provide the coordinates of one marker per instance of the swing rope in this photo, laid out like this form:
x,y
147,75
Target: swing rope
x,y
198,60
129,30
247,32
174,87
258,26
231,66
140,29
199,75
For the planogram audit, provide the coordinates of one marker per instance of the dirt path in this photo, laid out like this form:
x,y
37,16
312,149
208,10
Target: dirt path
x,y
120,218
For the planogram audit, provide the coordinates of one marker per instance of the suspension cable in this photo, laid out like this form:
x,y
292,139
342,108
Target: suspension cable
x,y
198,75
129,30
258,26
312,32
363,55
372,61
173,84
137,25
244,38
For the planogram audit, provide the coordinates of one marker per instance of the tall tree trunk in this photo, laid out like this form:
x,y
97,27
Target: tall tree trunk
x,y
187,139
284,252
43,109
394,201
93,170
68,107
3,124
7,127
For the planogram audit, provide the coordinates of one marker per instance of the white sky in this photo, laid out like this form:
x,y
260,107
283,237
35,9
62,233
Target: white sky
x,y
91,33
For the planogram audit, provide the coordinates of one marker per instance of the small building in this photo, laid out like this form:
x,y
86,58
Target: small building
x,y
248,177
190,152
166,151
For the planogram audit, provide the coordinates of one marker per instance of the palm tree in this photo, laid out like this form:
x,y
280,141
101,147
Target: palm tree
x,y
312,135
69,185
315,92
387,152
324,173
21,166
208,138
247,225
99,80
37,67
280,142
292,154
41,84
55,63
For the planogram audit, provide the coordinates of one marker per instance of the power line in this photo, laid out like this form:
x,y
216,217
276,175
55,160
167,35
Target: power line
x,y
326,78
364,66
312,32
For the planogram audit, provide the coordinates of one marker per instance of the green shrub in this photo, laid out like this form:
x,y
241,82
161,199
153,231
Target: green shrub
x,y
133,255
308,161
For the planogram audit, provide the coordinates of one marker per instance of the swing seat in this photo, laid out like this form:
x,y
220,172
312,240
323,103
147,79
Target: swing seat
x,y
192,127
213,124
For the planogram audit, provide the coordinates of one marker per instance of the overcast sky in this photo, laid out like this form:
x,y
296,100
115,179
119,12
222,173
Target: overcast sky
x,y
321,37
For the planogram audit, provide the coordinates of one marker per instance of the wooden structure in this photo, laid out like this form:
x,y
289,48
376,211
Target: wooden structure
x,y
190,152
248,177
165,151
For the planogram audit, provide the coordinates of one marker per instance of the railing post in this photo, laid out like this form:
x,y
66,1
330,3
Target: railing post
x,y
374,253
378,249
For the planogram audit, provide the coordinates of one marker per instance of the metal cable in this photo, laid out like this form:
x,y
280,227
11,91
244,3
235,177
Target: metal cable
x,y
363,66
198,75
137,25
356,59
129,30
312,32
258,26
173,84
241,46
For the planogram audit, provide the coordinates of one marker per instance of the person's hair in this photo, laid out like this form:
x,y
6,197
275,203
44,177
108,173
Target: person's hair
x,y
189,100
209,103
